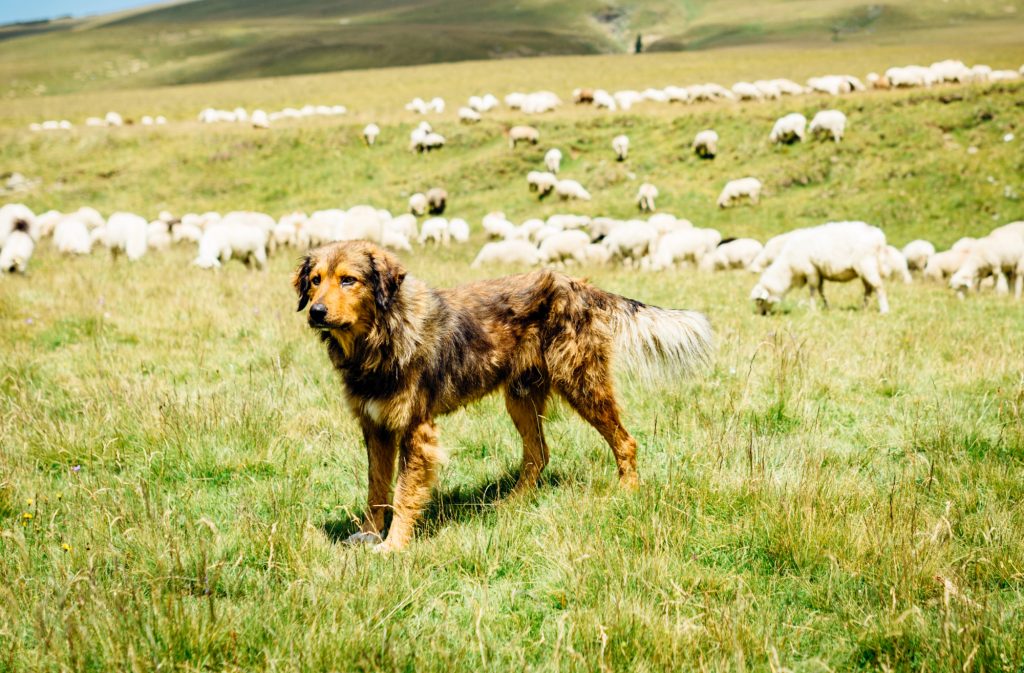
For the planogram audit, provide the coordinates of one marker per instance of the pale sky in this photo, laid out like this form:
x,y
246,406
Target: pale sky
x,y
22,10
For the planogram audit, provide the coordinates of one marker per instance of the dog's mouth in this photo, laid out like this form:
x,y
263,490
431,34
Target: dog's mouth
x,y
326,325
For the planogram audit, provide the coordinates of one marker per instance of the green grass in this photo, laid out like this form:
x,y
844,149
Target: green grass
x,y
183,434
220,40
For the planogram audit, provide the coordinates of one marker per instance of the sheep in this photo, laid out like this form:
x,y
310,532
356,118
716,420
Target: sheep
x,y
570,189
222,241
747,91
430,141
645,197
604,100
830,84
788,129
458,228
837,251
737,189
484,103
541,182
319,229
656,95
515,100
562,245
71,236
1000,255
787,87
418,204
553,159
284,234
942,265
666,222
626,99
47,222
496,226
125,232
582,96
15,216
113,119
917,253
404,224
770,90
620,144
507,252
876,81
435,229
17,249
562,221
370,133
705,144
684,245
829,123
522,134
631,241
259,120
540,101
183,231
359,223
468,115
158,235
437,200
894,265
772,247
1003,76
90,216
395,240
593,253
738,253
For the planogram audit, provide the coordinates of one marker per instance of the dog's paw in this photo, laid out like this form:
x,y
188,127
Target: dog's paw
x,y
363,538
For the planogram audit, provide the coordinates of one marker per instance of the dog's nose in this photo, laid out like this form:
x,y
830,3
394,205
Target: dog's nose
x,y
317,312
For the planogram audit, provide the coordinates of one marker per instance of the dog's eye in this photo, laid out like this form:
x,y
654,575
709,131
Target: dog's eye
x,y
347,281
315,280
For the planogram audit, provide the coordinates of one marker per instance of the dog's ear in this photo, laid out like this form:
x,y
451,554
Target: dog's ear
x,y
300,281
386,277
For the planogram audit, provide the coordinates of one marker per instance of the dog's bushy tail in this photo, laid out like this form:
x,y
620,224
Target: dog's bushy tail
x,y
654,343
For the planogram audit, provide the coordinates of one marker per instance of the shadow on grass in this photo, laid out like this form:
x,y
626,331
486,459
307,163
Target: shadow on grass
x,y
456,505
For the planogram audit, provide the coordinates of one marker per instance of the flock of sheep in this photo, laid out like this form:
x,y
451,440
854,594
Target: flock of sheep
x,y
836,251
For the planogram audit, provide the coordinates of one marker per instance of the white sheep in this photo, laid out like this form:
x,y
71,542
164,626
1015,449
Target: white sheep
x,y
593,254
734,190
495,225
789,129
1000,255
705,144
222,241
837,251
620,144
259,120
15,216
395,240
418,204
570,189
435,229
113,119
645,197
71,236
769,89
772,247
738,253
684,245
541,182
507,252
747,91
917,253
894,265
458,228
631,241
829,123
186,231
404,224
666,222
562,245
553,159
17,249
158,235
468,115
942,265
370,133
522,134
437,200
126,232
360,222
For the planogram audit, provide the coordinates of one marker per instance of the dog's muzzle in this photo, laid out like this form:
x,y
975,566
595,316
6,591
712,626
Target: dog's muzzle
x,y
317,315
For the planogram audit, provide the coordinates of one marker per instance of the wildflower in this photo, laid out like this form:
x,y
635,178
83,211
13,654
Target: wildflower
x,y
76,468
27,516
29,502
66,547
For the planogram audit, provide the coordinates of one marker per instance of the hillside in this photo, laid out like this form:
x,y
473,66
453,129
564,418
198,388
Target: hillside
x,y
216,40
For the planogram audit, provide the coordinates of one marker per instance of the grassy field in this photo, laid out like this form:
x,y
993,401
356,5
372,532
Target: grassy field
x,y
840,491
220,40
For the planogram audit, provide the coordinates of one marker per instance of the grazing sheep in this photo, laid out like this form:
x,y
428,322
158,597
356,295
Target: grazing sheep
x,y
769,89
771,250
917,253
562,221
943,265
507,252
789,129
184,231
582,96
435,229
738,253
631,241
496,226
468,115
747,91
15,216
910,76
522,134
894,265
541,182
459,230
604,100
259,120
684,245
829,123
570,189
734,190
626,99
113,119
370,133
158,235
563,245
621,146
71,236
593,254
437,200
125,232
395,240
837,251
1000,255
222,241
553,160
666,222
404,224
539,102
705,144
645,197
418,204
17,249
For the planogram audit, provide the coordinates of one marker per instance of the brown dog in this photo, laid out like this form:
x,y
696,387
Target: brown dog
x,y
408,353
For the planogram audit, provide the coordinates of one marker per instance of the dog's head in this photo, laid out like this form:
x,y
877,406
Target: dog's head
x,y
347,285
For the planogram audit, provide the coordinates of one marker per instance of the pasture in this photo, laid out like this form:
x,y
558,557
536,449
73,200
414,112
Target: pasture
x,y
840,491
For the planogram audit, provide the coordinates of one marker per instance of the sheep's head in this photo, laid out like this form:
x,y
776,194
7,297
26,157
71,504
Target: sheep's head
x,y
763,299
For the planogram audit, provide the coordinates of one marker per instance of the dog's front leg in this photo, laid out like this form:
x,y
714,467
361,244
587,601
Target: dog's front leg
x,y
417,470
381,448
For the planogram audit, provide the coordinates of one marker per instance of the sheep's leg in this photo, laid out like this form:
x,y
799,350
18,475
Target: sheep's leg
x,y
1018,285
821,293
1002,286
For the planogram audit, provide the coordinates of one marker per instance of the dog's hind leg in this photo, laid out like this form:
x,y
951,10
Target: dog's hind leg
x,y
596,404
527,412
418,459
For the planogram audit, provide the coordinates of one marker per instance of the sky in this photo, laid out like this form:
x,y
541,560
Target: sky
x,y
28,10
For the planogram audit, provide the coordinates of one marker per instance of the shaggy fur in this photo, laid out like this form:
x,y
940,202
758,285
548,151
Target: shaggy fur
x,y
408,353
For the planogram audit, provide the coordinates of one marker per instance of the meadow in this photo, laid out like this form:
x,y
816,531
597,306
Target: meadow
x,y
841,490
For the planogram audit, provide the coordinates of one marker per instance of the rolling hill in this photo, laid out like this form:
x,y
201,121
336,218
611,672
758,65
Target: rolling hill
x,y
216,40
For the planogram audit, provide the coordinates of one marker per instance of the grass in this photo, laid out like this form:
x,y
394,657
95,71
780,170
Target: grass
x,y
840,491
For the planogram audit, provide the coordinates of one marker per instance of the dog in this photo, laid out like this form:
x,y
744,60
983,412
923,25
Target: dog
x,y
408,353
